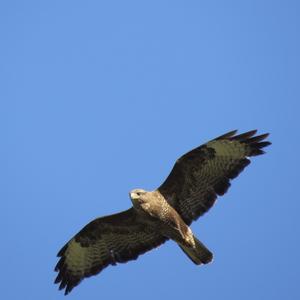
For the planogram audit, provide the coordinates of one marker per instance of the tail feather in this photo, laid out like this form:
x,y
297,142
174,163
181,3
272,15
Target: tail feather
x,y
199,254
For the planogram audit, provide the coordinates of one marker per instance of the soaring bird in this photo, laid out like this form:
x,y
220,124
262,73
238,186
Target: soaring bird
x,y
166,213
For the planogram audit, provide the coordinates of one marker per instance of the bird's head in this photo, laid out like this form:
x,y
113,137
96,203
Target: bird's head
x,y
138,197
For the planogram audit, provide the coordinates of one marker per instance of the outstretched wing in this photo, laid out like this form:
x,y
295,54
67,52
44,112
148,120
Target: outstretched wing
x,y
105,241
202,174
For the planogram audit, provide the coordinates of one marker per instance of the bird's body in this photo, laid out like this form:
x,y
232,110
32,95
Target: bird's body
x,y
166,213
158,214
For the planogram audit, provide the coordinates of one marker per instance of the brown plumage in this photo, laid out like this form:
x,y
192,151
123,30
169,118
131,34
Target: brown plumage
x,y
189,191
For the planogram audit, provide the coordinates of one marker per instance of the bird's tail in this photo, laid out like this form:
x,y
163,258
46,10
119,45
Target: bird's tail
x,y
198,254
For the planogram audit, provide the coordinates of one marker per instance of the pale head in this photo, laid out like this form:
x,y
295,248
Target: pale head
x,y
138,197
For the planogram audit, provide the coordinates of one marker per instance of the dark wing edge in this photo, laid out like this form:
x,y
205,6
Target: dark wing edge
x,y
254,143
172,188
105,241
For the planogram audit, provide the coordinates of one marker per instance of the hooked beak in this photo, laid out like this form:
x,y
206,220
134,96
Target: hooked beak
x,y
133,196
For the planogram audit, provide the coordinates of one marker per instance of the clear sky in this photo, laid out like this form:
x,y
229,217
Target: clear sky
x,y
100,97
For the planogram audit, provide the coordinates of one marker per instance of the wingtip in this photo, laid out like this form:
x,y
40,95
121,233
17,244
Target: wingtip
x,y
255,142
266,134
57,279
245,135
227,135
68,290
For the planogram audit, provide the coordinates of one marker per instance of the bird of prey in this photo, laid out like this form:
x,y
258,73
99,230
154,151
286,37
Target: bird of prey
x,y
189,191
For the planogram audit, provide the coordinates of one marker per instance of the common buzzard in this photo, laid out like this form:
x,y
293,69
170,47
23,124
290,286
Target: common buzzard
x,y
189,191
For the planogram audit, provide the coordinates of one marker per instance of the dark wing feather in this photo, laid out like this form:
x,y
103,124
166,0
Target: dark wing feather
x,y
202,174
105,241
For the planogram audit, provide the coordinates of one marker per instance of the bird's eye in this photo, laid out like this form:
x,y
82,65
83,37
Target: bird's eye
x,y
138,193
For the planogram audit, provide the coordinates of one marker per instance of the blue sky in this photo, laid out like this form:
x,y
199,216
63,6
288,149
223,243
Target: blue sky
x,y
100,97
